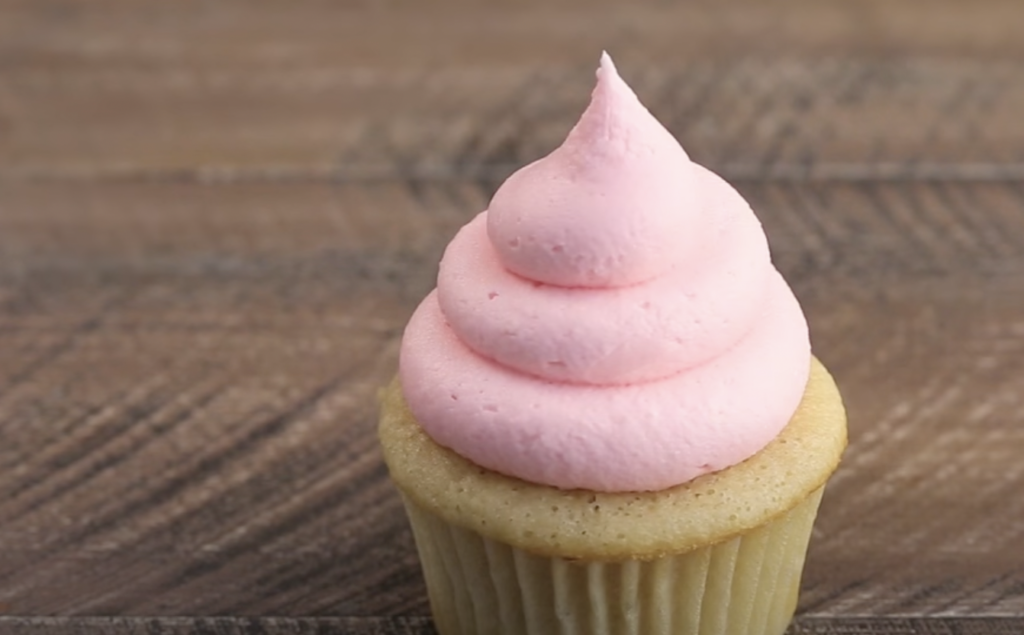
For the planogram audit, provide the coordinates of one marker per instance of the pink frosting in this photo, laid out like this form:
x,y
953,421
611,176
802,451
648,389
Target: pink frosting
x,y
613,322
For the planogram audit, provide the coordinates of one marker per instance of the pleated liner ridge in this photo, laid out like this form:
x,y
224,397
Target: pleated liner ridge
x,y
747,585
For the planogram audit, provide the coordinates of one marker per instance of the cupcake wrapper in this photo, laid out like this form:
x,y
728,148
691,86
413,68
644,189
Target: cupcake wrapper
x,y
745,586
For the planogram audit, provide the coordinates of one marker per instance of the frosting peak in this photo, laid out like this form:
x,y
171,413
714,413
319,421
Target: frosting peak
x,y
612,322
612,207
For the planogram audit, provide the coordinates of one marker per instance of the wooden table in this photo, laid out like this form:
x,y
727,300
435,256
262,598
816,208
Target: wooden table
x,y
215,218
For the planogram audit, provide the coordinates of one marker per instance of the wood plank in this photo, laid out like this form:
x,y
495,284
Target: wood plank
x,y
748,117
250,90
423,626
392,234
63,35
189,375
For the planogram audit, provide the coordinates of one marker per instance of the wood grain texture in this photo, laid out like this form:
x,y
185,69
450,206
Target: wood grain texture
x,y
845,118
250,90
224,461
423,626
64,35
215,220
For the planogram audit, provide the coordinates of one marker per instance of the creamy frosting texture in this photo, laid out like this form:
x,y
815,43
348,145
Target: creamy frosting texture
x,y
612,322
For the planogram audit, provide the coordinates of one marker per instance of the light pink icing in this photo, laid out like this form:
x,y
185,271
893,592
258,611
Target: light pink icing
x,y
613,322
599,210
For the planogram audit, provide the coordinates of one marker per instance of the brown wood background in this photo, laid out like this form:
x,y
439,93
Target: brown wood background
x,y
215,218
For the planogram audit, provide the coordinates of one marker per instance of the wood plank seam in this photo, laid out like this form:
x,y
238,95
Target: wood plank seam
x,y
888,172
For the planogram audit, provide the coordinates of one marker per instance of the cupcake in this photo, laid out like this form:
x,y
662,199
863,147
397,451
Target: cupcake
x,y
607,417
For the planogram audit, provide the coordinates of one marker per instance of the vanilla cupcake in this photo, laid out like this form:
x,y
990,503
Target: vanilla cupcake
x,y
607,418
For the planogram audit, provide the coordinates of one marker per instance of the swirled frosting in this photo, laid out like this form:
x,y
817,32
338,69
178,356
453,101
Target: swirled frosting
x,y
612,322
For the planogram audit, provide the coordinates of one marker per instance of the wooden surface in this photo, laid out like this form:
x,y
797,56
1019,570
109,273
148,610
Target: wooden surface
x,y
215,219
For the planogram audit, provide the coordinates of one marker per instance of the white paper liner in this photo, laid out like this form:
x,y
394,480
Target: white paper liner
x,y
745,586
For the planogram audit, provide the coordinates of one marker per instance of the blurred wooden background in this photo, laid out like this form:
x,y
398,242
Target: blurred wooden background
x,y
215,218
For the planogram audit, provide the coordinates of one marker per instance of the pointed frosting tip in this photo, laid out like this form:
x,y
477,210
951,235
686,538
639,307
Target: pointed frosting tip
x,y
607,65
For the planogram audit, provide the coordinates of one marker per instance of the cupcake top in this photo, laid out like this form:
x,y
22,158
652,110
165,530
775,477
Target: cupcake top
x,y
612,322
